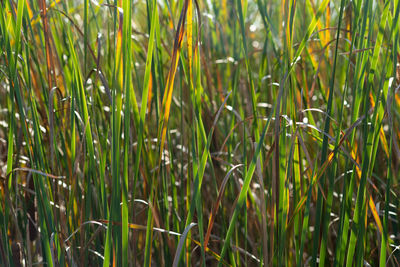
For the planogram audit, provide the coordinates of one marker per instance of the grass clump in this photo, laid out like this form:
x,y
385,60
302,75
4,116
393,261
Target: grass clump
x,y
174,133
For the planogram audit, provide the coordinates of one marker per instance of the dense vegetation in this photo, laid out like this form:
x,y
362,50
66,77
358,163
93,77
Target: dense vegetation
x,y
188,132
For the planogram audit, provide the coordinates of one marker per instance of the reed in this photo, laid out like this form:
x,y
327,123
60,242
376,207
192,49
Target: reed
x,y
204,133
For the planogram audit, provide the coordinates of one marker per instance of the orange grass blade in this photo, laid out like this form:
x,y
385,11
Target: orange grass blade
x,y
166,104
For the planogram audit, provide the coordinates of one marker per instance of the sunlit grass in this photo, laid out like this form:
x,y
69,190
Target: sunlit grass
x,y
204,133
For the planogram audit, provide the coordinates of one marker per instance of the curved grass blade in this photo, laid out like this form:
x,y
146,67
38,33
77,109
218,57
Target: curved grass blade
x,y
243,192
181,243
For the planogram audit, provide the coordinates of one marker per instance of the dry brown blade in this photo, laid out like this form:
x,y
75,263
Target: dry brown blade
x,y
210,85
236,125
231,131
357,51
34,171
328,29
49,55
166,102
306,153
159,224
199,21
168,95
216,205
227,176
213,253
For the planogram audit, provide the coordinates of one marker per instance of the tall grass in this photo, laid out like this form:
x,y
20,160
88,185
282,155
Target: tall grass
x,y
204,133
